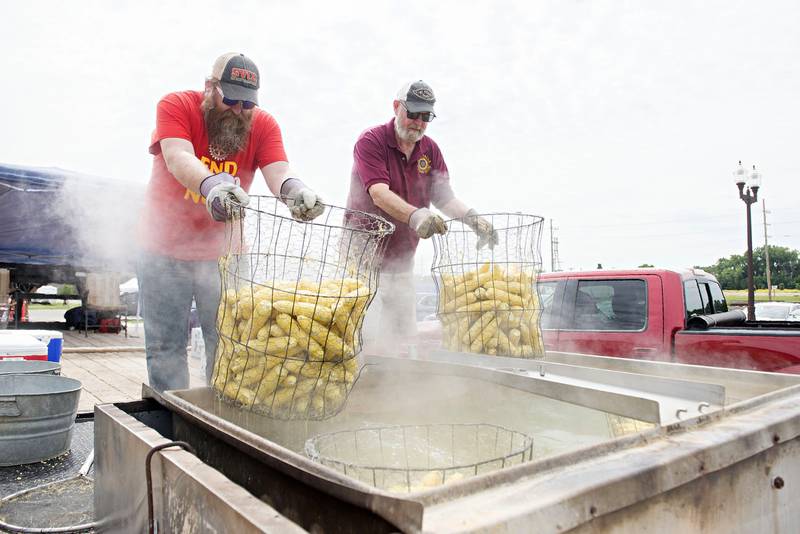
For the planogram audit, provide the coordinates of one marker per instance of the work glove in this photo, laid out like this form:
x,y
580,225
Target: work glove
x,y
224,197
486,233
426,223
304,203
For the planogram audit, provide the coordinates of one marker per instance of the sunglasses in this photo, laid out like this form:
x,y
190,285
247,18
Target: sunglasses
x,y
426,116
246,104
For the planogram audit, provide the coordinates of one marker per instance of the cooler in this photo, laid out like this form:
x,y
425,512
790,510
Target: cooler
x,y
21,346
52,338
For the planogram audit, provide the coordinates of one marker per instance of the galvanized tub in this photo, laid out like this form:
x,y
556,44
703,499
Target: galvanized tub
x,y
37,415
29,367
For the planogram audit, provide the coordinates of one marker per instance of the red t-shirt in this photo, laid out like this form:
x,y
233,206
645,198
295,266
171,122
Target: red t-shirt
x,y
176,222
420,180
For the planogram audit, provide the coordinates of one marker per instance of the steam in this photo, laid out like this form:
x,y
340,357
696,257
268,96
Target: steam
x,y
102,216
391,322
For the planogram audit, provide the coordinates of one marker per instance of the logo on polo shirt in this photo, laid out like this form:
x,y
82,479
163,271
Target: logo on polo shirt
x,y
424,165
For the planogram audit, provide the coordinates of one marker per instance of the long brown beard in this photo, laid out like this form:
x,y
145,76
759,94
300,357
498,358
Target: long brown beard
x,y
227,131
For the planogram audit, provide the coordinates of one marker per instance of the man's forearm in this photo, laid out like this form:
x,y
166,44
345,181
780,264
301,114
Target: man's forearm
x,y
455,209
187,169
391,203
275,174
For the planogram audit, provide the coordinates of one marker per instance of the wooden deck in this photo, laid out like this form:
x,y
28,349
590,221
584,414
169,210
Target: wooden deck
x,y
111,367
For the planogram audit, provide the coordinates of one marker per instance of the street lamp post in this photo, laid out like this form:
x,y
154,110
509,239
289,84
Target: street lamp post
x,y
750,196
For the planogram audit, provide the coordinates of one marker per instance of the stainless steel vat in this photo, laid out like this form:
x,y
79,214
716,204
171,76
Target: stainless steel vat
x,y
718,452
37,415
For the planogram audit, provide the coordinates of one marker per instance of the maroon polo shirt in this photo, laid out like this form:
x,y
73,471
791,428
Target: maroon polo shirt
x,y
419,181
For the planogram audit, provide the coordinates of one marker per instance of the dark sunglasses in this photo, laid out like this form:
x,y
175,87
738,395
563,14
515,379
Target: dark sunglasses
x,y
426,116
246,104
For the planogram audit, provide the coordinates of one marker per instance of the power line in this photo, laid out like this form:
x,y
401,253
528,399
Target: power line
x,y
682,220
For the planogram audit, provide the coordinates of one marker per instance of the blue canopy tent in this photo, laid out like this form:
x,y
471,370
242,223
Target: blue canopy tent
x,y
54,223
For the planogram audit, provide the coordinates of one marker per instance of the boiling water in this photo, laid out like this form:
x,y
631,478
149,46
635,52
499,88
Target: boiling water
x,y
384,396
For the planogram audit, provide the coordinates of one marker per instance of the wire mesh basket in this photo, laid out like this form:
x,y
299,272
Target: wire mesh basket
x,y
294,296
418,457
488,301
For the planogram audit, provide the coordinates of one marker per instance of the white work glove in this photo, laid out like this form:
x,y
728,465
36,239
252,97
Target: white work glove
x,y
304,203
426,223
224,197
486,233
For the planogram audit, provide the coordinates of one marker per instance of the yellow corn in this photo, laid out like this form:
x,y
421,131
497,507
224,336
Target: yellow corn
x,y
321,314
501,308
459,302
333,346
290,325
474,331
503,296
483,306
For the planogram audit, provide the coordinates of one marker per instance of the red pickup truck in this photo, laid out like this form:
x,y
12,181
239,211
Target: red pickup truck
x,y
660,315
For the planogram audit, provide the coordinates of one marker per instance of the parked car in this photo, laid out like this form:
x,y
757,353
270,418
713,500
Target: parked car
x,y
426,306
45,290
777,311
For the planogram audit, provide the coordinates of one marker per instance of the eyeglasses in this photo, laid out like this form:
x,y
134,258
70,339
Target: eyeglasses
x,y
426,116
246,104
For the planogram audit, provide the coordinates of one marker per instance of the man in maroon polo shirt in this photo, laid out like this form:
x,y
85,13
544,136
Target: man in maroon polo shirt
x,y
397,173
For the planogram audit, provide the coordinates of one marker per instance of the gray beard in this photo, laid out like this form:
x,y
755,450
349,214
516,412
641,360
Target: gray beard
x,y
405,134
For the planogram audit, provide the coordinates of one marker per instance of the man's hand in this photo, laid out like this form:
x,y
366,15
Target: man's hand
x,y
224,197
426,223
304,203
486,233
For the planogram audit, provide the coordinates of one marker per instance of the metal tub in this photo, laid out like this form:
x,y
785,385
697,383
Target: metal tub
x,y
29,367
37,415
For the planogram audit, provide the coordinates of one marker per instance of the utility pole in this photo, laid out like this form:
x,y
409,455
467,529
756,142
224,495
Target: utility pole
x,y
766,250
555,263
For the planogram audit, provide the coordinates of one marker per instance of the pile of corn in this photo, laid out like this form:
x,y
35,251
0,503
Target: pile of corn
x,y
289,349
490,311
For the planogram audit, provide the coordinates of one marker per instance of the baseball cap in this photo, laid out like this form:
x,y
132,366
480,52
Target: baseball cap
x,y
417,95
238,76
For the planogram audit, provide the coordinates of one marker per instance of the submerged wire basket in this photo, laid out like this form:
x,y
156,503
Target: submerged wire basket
x,y
294,296
487,298
419,457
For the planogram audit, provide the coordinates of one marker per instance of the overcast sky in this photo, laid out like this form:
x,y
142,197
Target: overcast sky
x,y
621,121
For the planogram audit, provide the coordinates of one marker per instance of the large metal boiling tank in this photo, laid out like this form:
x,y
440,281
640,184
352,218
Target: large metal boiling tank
x,y
608,435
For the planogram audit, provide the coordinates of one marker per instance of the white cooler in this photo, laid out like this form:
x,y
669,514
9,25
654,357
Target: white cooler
x,y
21,346
52,338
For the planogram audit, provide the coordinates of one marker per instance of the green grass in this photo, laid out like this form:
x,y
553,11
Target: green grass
x,y
786,295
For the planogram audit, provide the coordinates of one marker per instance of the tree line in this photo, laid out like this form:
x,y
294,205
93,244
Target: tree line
x,y
784,269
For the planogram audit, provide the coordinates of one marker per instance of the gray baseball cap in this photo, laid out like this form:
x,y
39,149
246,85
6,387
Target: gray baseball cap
x,y
238,76
417,95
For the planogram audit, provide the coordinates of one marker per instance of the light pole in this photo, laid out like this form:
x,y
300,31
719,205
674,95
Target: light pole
x,y
750,197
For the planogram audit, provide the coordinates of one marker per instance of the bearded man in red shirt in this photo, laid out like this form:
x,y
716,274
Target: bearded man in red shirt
x,y
207,146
